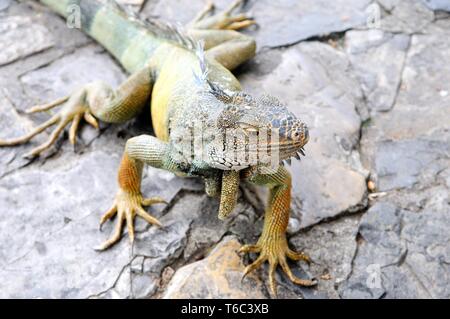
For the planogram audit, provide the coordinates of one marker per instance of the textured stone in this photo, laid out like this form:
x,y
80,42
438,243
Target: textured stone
x,y
50,225
314,81
33,38
438,4
404,146
405,235
10,158
4,4
405,163
216,276
405,250
378,58
405,16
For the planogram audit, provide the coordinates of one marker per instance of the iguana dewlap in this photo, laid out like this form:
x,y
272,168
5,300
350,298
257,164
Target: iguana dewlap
x,y
204,124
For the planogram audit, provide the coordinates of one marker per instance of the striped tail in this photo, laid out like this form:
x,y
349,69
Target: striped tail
x,y
129,41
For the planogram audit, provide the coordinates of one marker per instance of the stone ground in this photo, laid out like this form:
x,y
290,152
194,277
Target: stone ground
x,y
371,202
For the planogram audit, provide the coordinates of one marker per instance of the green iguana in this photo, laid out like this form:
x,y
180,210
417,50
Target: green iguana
x,y
204,124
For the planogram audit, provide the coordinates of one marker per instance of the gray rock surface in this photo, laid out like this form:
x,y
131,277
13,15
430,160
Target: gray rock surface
x,y
378,58
377,104
405,16
438,4
35,38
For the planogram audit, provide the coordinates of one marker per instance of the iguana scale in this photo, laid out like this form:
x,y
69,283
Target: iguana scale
x,y
186,80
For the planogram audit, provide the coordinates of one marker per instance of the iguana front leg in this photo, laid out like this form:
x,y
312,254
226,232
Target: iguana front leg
x,y
129,201
272,246
95,99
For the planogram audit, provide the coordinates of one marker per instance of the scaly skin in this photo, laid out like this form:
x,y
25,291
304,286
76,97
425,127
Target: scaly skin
x,y
194,97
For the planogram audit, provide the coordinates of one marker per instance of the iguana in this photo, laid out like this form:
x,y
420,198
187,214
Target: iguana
x,y
205,125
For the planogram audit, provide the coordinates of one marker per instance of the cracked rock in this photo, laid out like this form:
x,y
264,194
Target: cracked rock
x,y
378,59
403,253
216,276
51,224
33,38
10,158
438,4
409,145
405,16
4,4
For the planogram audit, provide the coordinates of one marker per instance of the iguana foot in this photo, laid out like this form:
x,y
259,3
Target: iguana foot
x,y
274,250
224,20
126,206
73,111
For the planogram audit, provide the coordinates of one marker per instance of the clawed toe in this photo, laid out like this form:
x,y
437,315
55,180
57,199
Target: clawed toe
x,y
127,206
224,20
275,253
72,112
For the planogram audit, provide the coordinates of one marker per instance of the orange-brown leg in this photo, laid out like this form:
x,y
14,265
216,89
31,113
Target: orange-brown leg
x,y
272,246
129,201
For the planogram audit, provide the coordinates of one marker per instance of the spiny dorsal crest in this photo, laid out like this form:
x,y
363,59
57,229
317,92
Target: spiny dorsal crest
x,y
166,30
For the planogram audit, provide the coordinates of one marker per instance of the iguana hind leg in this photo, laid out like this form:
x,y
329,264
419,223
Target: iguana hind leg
x,y
272,246
95,100
228,47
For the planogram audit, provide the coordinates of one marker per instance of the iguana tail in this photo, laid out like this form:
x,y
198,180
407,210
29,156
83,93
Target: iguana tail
x,y
127,39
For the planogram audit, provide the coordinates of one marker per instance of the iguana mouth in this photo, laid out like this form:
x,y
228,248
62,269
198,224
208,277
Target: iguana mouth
x,y
285,151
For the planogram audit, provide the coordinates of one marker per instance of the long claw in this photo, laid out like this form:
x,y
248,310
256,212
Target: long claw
x,y
108,215
293,278
74,128
88,117
249,249
115,236
207,9
272,282
29,136
149,218
233,6
238,25
46,107
298,256
153,200
130,224
38,150
256,264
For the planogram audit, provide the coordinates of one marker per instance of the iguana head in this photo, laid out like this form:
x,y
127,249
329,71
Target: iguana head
x,y
252,132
